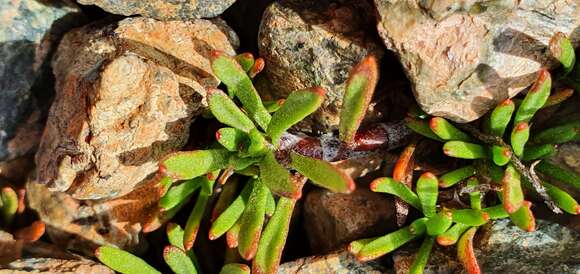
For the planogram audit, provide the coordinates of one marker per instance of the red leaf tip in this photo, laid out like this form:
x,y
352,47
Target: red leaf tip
x,y
521,126
216,53
319,90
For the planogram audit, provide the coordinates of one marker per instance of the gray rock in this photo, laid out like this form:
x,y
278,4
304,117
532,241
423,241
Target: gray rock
x,y
552,248
342,262
29,32
463,57
126,93
51,265
310,43
335,219
164,9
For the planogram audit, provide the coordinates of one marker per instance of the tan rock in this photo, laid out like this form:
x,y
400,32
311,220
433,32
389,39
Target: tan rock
x,y
84,225
463,57
51,265
126,94
342,262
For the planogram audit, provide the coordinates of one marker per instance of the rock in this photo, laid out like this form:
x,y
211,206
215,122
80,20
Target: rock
x,y
50,265
126,93
341,262
84,225
568,157
310,43
336,219
29,31
463,57
507,249
163,9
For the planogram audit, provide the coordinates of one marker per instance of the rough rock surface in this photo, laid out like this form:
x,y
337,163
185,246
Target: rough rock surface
x,y
84,225
343,263
50,265
29,31
163,9
463,57
309,43
508,249
335,219
126,94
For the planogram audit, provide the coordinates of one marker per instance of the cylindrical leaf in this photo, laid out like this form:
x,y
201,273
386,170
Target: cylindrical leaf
x,y
246,60
465,252
562,199
500,117
422,256
360,87
177,194
9,204
535,99
475,196
231,138
446,130
421,127
563,50
231,215
322,173
558,97
501,155
452,234
178,261
192,224
519,138
297,106
512,193
390,242
439,223
277,177
460,149
225,110
453,177
235,269
190,164
557,135
470,217
390,186
524,218
427,190
538,152
252,220
123,261
496,212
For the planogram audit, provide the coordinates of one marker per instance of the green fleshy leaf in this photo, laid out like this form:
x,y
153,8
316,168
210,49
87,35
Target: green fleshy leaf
x,y
421,127
277,178
475,196
452,234
236,79
500,117
190,164
123,261
463,150
563,50
562,199
252,220
194,220
226,197
465,252
470,217
178,261
179,193
273,106
360,88
563,175
501,155
496,212
246,60
258,144
427,190
164,185
274,237
416,112
270,205
355,246
532,153
231,215
512,193
297,106
235,269
392,241
225,110
558,135
453,177
524,218
519,138
422,256
535,99
558,97
447,131
390,186
322,173
231,138
232,236
239,163
439,223
9,204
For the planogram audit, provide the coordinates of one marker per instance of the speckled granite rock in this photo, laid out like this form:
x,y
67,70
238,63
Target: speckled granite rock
x,y
84,225
507,249
163,9
29,31
308,43
342,262
126,93
335,219
50,265
463,57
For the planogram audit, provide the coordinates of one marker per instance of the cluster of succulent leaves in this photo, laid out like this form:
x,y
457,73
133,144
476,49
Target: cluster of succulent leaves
x,y
510,165
256,218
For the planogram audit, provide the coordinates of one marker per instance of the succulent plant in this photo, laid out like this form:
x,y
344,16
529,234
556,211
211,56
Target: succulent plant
x,y
508,168
12,206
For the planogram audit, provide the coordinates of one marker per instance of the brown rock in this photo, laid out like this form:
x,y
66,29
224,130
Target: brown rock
x,y
463,57
341,262
50,265
126,95
163,9
310,43
334,219
84,225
